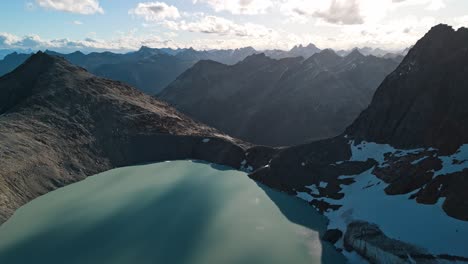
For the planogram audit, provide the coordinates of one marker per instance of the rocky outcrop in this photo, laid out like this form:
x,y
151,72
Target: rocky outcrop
x,y
419,118
60,124
421,104
370,242
280,102
332,235
291,169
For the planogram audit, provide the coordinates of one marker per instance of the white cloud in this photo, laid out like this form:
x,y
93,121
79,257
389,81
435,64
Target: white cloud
x,y
84,7
393,35
220,26
6,39
155,11
343,12
350,12
247,7
77,22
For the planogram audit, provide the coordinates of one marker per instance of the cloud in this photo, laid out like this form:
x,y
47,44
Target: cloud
x,y
220,26
246,7
77,22
6,39
341,12
395,34
349,12
155,11
84,7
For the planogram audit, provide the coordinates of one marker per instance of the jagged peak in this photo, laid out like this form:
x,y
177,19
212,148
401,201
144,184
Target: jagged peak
x,y
249,48
22,82
355,54
144,48
256,56
40,63
440,41
328,52
41,58
441,28
300,46
327,56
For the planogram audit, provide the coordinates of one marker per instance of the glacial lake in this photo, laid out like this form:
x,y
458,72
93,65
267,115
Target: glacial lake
x,y
172,213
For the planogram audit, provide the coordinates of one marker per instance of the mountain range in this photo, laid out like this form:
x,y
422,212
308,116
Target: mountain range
x,y
59,124
402,164
393,184
152,69
314,99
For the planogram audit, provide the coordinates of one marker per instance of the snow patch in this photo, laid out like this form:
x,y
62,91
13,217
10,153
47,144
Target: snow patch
x,y
246,168
369,150
313,189
323,185
418,160
454,163
304,196
426,226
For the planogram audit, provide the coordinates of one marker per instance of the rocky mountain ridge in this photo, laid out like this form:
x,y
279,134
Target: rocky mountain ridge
x,y
59,124
402,165
314,98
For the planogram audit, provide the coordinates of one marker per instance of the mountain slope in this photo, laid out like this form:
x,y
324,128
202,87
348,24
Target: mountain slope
x,y
423,103
314,99
59,124
402,165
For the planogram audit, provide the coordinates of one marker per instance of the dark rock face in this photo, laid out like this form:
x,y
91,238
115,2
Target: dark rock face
x,y
420,105
423,102
332,235
291,169
59,124
280,102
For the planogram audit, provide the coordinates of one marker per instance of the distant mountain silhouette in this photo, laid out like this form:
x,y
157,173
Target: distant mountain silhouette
x,y
148,69
11,61
296,51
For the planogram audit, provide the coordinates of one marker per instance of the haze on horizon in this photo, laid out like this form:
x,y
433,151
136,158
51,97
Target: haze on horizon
x,y
97,25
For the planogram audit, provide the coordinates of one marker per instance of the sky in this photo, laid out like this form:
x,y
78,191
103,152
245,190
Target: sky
x,y
124,25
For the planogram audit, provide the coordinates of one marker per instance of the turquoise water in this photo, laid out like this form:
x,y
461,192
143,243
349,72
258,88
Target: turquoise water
x,y
171,212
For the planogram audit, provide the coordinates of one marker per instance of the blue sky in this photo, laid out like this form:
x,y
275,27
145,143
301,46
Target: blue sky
x,y
123,25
